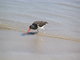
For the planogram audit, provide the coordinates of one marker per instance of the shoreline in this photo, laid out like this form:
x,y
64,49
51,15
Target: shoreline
x,y
12,25
21,27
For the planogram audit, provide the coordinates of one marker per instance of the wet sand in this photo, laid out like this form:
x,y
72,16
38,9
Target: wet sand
x,y
41,46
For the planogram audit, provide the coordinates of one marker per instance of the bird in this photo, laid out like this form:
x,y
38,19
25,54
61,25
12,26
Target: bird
x,y
36,25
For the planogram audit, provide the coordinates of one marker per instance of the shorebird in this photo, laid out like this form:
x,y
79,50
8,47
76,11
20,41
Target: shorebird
x,y
36,25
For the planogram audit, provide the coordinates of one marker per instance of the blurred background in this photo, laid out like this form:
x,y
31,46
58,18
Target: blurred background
x,y
60,40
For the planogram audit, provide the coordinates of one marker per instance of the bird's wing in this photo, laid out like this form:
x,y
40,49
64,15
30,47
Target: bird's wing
x,y
40,23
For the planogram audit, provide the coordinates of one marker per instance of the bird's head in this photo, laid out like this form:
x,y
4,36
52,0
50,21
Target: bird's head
x,y
33,26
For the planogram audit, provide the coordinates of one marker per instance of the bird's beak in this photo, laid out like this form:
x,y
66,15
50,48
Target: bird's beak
x,y
28,30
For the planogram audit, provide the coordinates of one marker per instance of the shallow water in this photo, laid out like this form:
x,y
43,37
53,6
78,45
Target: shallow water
x,y
62,15
62,34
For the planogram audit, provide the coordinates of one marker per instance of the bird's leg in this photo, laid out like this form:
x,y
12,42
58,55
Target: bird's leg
x,y
37,30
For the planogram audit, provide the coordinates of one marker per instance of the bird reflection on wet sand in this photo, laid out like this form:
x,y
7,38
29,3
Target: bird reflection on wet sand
x,y
29,33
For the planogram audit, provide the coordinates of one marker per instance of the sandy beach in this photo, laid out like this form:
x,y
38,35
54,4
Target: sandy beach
x,y
41,46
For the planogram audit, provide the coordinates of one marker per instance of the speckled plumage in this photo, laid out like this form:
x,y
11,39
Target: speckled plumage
x,y
37,25
40,23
